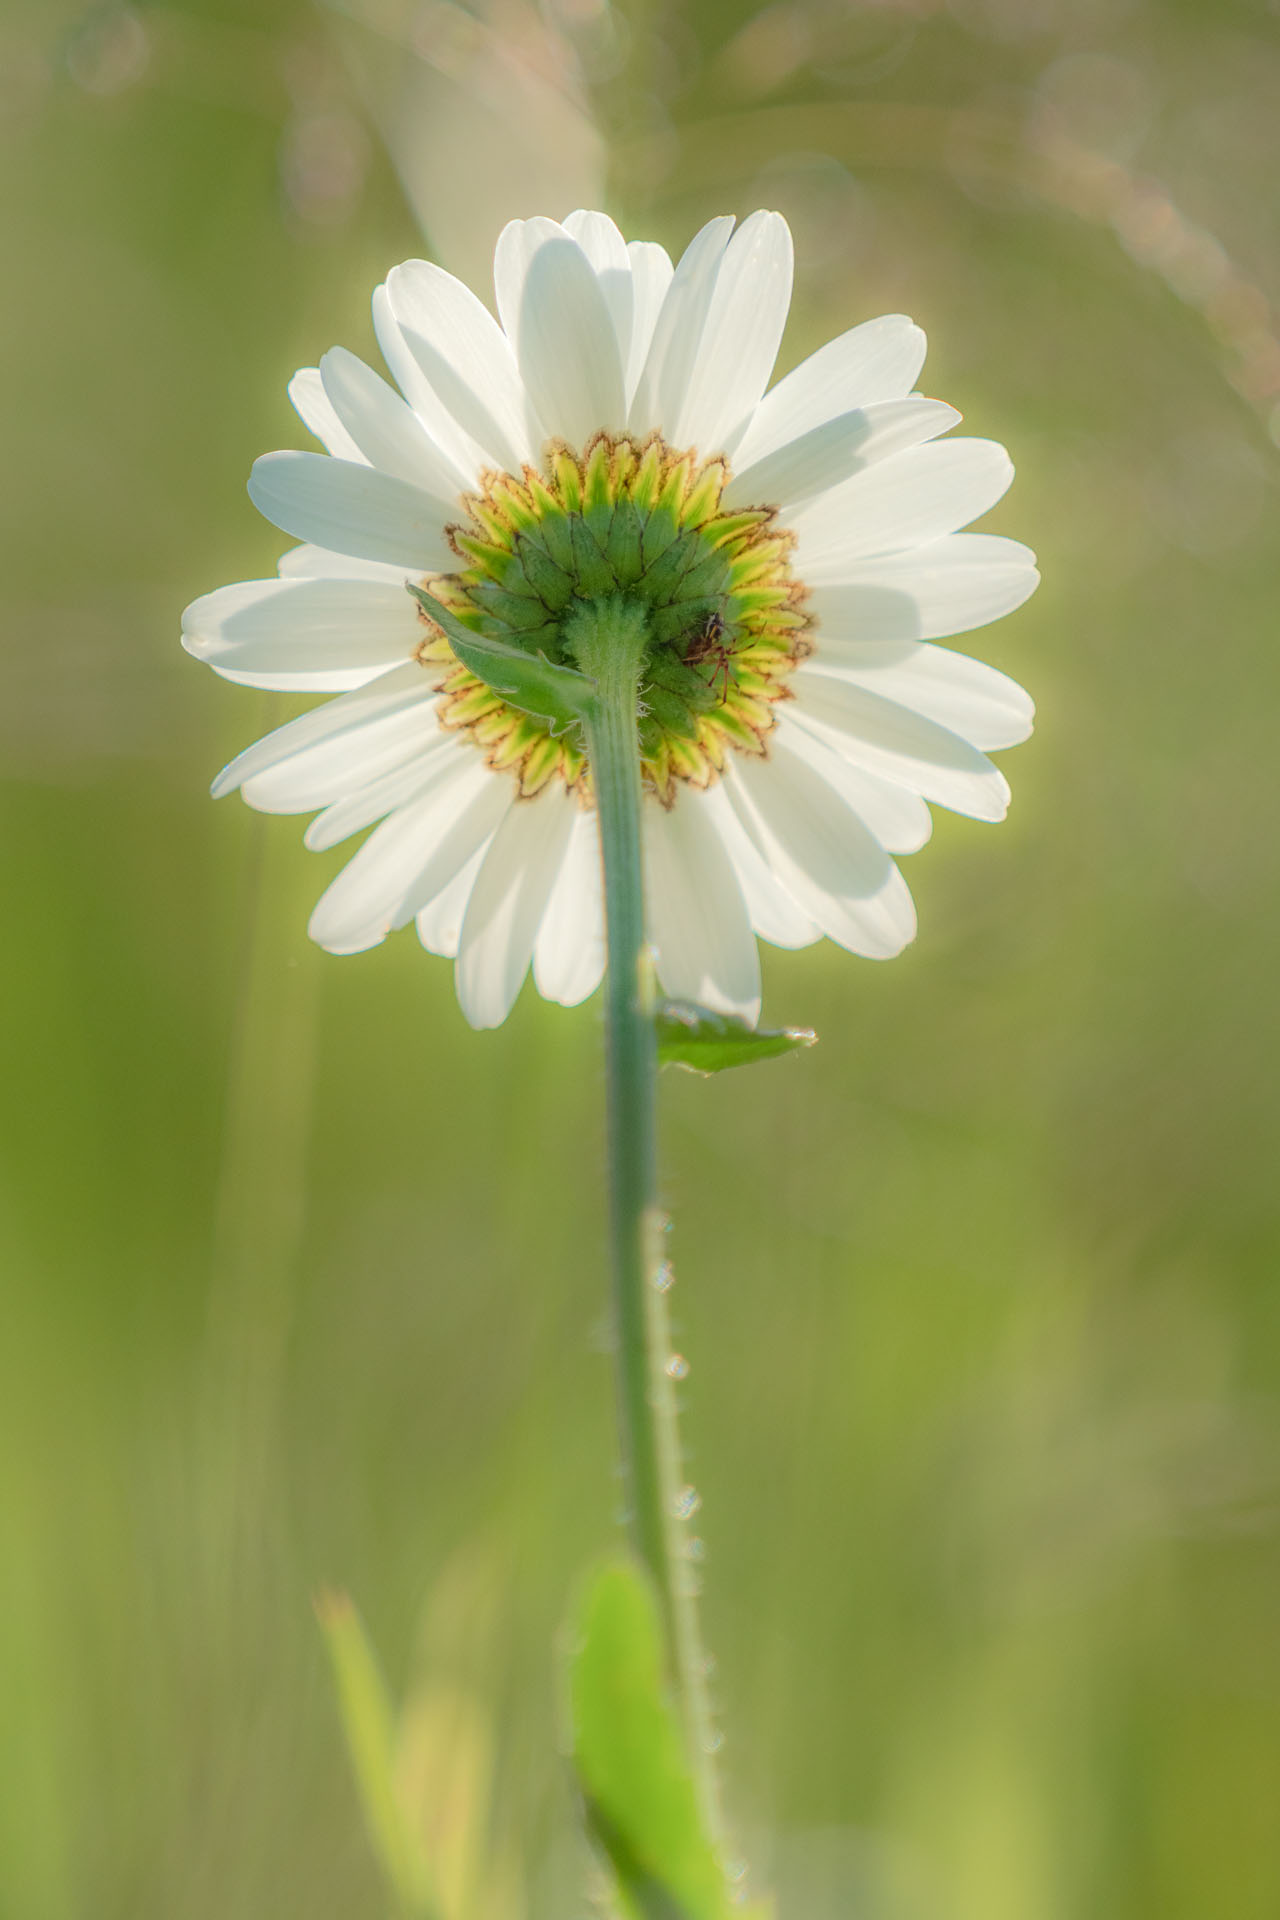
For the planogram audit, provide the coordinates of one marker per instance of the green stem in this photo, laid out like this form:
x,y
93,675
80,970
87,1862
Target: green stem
x,y
610,641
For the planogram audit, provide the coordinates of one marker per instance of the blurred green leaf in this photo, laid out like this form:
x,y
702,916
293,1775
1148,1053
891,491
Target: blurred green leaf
x,y
558,695
640,1802
707,1042
368,1721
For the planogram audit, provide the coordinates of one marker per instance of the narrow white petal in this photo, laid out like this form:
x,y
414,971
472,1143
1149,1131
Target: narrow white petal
x,y
345,764
387,431
900,745
610,261
981,704
703,944
569,955
321,563
507,904
740,340
315,410
651,272
436,761
470,807
465,359
465,454
774,914
664,378
302,635
835,451
555,311
599,238
321,680
905,501
928,593
392,692
356,910
877,361
900,820
824,854
419,846
334,503
439,923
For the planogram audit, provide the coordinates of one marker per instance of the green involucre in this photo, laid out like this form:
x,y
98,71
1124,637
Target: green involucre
x,y
722,611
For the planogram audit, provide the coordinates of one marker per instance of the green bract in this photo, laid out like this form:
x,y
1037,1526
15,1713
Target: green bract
x,y
722,609
556,695
707,1042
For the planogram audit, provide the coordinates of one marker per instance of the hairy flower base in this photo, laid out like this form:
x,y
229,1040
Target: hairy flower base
x,y
723,610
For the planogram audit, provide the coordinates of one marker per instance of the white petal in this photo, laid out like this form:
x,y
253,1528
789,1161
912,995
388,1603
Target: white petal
x,y
403,687
507,904
322,680
950,586
900,820
387,431
415,852
835,451
321,563
473,803
569,955
905,501
334,503
740,340
554,311
466,360
439,923
899,745
355,912
437,760
974,700
651,272
345,765
466,455
774,914
877,361
315,410
664,378
823,853
698,922
610,261
302,635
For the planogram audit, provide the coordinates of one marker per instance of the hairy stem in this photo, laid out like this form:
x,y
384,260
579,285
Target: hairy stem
x,y
609,639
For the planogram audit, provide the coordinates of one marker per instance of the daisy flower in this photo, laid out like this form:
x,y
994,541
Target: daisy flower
x,y
794,552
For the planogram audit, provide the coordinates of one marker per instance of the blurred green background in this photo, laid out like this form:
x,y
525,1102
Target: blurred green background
x,y
303,1278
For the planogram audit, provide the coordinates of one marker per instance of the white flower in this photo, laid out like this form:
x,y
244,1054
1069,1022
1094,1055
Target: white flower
x,y
798,554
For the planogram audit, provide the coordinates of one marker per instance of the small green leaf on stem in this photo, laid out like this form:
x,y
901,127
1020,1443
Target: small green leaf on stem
x,y
558,695
708,1042
369,1724
637,1790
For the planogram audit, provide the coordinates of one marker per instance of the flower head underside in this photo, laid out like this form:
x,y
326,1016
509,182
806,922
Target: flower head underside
x,y
723,610
793,555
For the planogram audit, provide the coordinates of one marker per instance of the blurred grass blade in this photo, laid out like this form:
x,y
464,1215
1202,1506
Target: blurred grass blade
x,y
369,1724
707,1042
558,695
446,1762
638,1794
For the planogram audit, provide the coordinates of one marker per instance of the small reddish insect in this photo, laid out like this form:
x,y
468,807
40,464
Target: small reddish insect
x,y
709,644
